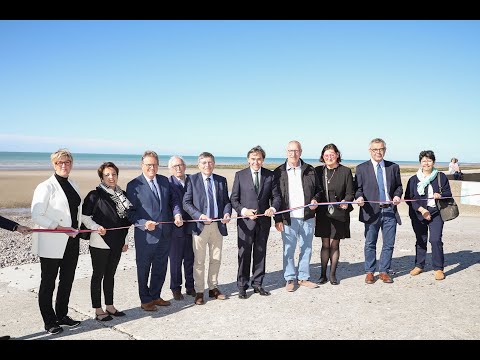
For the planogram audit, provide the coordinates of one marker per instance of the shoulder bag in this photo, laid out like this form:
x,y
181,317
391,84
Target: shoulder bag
x,y
448,208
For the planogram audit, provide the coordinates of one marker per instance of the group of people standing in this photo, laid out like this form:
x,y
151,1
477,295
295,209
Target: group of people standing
x,y
180,217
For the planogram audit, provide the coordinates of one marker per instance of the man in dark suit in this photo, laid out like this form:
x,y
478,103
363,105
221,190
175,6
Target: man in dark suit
x,y
8,224
379,191
181,248
254,192
153,202
207,199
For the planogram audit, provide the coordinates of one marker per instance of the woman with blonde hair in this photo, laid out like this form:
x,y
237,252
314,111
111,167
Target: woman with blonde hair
x,y
56,205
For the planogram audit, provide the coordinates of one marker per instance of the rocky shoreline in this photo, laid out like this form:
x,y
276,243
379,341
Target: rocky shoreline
x,y
15,248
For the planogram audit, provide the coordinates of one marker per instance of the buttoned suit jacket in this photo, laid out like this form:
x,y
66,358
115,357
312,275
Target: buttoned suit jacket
x,y
146,207
367,187
195,201
244,196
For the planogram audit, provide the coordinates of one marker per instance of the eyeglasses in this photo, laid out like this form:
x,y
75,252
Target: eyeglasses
x,y
178,166
206,162
381,150
61,163
293,151
150,165
329,156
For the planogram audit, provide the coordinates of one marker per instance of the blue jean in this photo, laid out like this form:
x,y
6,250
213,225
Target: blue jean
x,y
388,223
301,230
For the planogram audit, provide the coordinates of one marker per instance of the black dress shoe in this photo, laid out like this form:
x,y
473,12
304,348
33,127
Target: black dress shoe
x,y
191,292
242,294
104,317
116,313
322,280
5,337
333,281
260,290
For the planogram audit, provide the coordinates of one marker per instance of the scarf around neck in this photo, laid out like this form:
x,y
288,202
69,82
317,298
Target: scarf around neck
x,y
118,197
425,180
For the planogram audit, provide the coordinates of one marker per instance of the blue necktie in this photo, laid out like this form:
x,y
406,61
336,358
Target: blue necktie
x,y
257,183
154,190
381,184
211,203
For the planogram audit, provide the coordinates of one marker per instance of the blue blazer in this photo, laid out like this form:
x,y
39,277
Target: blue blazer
x,y
368,188
146,207
412,193
244,195
179,189
195,201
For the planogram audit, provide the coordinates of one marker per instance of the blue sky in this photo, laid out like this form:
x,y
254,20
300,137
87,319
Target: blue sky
x,y
224,86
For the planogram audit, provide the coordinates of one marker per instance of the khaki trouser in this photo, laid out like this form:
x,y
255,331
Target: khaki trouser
x,y
212,238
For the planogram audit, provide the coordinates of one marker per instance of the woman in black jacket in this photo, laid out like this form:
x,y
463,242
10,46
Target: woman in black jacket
x,y
333,221
105,208
427,185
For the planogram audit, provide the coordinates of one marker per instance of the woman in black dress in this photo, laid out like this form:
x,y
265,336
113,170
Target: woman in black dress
x,y
333,221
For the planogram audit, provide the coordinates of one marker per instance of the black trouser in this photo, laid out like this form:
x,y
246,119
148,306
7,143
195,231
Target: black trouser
x,y
104,264
252,241
49,268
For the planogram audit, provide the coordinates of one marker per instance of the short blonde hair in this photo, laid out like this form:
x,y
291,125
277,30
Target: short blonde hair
x,y
59,154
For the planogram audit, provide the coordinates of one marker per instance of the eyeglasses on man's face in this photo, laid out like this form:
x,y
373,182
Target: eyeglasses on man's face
x,y
62,163
178,166
293,151
150,165
206,162
380,150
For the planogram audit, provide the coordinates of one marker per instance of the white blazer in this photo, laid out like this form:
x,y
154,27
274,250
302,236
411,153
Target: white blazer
x,y
49,210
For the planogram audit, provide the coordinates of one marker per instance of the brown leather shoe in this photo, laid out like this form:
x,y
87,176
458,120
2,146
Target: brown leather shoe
x,y
177,294
161,302
150,306
215,293
385,278
290,286
199,299
369,279
416,271
439,275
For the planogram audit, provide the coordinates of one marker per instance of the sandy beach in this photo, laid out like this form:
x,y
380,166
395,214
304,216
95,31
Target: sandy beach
x,y
18,186
410,308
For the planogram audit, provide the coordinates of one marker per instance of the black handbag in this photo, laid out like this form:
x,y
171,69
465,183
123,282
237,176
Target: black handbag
x,y
448,208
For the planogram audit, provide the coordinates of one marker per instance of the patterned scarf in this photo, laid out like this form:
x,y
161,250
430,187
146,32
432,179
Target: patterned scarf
x,y
118,197
425,180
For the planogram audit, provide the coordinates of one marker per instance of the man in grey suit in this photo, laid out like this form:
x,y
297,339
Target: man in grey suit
x,y
254,193
207,199
153,203
379,191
